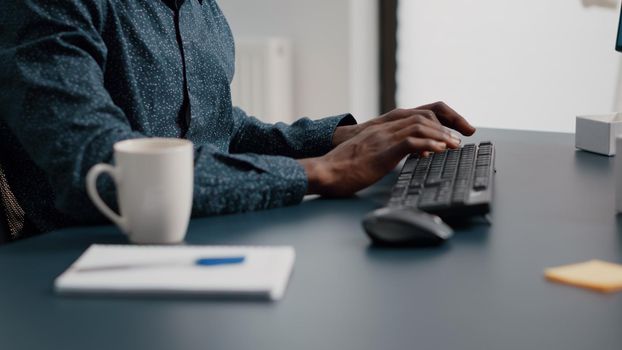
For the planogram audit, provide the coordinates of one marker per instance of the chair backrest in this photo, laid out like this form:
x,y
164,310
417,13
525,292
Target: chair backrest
x,y
12,216
4,228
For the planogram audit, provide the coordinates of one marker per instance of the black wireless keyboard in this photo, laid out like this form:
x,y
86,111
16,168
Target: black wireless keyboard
x,y
452,183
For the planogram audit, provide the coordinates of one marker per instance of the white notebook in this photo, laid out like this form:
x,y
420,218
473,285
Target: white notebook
x,y
129,269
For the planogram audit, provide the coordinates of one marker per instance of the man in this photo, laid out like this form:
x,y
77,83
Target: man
x,y
79,75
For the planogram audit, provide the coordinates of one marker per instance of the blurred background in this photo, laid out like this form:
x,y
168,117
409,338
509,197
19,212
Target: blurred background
x,y
334,55
508,64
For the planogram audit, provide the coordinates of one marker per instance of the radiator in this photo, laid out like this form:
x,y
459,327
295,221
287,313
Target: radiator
x,y
263,81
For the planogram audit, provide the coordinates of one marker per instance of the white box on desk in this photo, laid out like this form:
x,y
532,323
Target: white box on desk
x,y
597,133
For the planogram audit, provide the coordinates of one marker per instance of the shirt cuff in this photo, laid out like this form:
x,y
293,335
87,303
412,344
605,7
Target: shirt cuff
x,y
322,131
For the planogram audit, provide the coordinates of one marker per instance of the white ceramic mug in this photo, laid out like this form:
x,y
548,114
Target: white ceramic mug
x,y
154,181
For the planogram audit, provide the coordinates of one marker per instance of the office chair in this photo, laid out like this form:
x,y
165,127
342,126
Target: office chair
x,y
12,216
4,230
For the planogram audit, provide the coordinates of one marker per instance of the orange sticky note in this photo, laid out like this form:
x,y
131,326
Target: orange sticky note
x,y
598,275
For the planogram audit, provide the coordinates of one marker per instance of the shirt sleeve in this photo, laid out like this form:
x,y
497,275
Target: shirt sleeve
x,y
303,139
61,113
227,183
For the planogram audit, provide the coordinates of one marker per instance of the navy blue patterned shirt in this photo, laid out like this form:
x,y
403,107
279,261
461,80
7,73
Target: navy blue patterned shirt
x,y
79,75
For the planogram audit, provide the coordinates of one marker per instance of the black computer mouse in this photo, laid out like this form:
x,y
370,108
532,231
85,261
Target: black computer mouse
x,y
398,226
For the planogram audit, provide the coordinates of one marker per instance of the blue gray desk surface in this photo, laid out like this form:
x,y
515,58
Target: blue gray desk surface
x,y
484,290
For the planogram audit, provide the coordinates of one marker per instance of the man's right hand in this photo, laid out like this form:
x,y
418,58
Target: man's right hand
x,y
367,157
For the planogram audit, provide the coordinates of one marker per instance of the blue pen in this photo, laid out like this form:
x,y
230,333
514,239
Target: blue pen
x,y
219,261
228,260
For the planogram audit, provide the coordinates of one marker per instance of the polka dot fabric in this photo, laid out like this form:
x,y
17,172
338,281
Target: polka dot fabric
x,y
79,75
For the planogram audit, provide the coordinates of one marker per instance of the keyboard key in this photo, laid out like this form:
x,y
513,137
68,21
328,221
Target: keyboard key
x,y
433,181
410,165
414,190
398,192
411,201
395,202
480,183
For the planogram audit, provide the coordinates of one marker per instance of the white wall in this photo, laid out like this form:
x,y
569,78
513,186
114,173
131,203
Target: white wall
x,y
364,59
529,64
334,48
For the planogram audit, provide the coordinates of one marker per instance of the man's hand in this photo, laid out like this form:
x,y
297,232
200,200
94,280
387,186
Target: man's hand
x,y
438,112
374,150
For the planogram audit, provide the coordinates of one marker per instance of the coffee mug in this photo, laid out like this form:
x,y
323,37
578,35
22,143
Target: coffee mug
x,y
154,183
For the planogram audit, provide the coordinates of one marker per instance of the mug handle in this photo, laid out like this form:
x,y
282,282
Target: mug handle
x,y
91,189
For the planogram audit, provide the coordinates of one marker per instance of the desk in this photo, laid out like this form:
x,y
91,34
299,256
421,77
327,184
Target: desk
x,y
483,290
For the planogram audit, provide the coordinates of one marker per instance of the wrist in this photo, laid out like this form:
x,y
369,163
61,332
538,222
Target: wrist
x,y
318,174
344,133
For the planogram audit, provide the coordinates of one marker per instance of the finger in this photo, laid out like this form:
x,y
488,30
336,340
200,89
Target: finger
x,y
410,127
396,114
401,113
424,131
417,145
432,123
450,118
414,119
427,113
